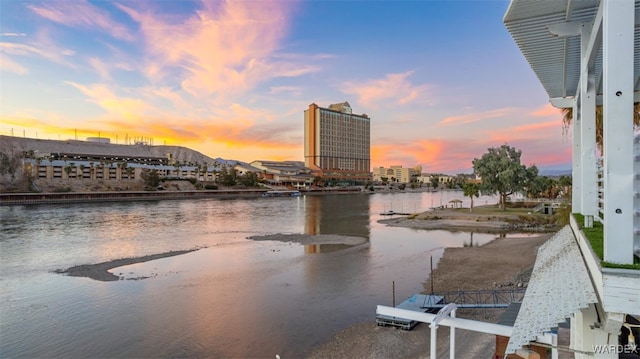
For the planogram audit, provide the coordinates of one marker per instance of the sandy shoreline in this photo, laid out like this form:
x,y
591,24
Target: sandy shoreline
x,y
457,221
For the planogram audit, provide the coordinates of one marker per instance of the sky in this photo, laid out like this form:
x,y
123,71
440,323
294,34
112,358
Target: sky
x,y
442,81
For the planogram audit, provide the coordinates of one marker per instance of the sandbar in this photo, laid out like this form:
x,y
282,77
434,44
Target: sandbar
x,y
100,271
309,239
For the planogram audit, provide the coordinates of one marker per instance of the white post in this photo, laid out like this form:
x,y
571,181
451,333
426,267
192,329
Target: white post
x,y
442,313
617,64
589,170
576,167
452,338
432,345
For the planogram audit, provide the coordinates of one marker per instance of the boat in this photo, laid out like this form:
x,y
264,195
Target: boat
x,y
392,213
282,194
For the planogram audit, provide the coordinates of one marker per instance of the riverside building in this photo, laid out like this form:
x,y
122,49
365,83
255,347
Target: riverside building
x,y
337,144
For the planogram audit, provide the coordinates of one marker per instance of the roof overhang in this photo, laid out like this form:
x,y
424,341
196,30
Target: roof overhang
x,y
549,34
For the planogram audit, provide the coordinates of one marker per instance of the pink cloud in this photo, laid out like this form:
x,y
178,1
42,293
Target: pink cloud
x,y
40,46
101,95
6,64
395,87
444,155
541,126
100,67
225,47
478,116
81,14
547,111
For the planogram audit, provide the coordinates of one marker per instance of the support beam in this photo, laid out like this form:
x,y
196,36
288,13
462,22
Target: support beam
x,y
476,326
567,28
576,166
562,102
568,102
617,63
589,170
595,39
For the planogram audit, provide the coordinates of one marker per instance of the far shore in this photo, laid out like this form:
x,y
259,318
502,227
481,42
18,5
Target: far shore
x,y
10,198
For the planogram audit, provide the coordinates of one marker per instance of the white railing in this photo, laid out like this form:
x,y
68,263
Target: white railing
x,y
636,195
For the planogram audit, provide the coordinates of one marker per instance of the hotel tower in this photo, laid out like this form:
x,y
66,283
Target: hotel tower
x,y
337,144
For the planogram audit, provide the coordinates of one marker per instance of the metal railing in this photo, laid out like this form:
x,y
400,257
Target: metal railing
x,y
499,298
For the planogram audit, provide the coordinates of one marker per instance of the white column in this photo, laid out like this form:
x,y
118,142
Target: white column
x,y
589,170
576,334
617,63
452,338
583,335
434,340
576,167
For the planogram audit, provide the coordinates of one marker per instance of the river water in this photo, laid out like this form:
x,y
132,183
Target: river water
x,y
235,297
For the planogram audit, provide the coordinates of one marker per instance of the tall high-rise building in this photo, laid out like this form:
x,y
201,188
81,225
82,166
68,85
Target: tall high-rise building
x,y
337,143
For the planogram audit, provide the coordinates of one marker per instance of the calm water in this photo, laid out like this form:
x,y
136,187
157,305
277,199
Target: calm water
x,y
234,298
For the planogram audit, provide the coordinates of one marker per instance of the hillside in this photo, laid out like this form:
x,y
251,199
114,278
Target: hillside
x,y
42,147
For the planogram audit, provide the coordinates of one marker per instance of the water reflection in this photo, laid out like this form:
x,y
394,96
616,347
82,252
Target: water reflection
x,y
325,248
340,214
470,243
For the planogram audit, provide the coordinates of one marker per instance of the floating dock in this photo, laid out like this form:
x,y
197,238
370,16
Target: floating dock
x,y
394,213
419,303
473,299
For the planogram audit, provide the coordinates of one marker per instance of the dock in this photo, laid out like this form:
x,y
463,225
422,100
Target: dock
x,y
471,299
394,213
422,303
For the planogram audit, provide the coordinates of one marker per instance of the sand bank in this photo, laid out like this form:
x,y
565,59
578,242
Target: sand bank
x,y
307,239
457,220
100,271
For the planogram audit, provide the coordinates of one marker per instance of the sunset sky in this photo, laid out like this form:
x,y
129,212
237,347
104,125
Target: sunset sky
x,y
442,81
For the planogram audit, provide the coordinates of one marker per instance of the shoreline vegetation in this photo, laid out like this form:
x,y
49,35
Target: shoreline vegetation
x,y
505,262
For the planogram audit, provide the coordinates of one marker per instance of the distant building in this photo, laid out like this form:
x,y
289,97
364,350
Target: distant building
x,y
282,173
99,140
337,144
397,174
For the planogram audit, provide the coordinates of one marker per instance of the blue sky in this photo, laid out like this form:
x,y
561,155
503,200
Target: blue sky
x,y
441,80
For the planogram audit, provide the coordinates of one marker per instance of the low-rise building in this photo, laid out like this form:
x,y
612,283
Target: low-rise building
x,y
283,173
396,174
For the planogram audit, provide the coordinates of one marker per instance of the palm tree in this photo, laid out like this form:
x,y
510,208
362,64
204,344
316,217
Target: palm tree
x,y
567,118
471,190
